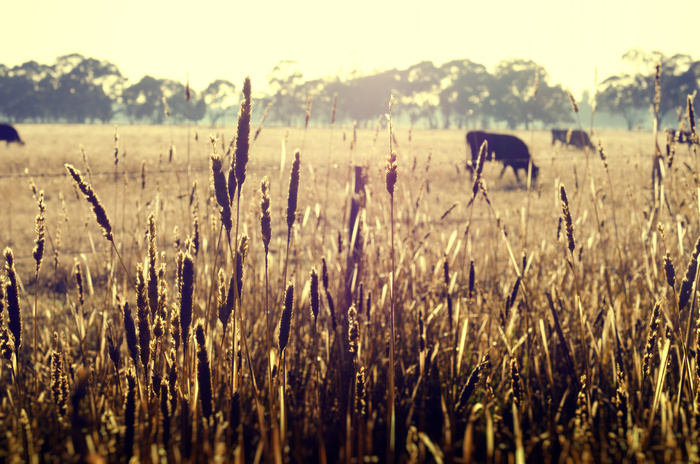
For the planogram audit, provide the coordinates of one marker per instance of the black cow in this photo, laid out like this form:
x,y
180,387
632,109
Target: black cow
x,y
577,138
9,134
507,149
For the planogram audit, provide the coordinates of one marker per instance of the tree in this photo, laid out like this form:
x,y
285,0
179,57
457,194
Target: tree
x,y
220,97
87,90
26,91
626,95
144,100
368,96
464,89
284,81
180,110
514,90
417,92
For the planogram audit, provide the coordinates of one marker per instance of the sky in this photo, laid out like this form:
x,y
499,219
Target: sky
x,y
234,38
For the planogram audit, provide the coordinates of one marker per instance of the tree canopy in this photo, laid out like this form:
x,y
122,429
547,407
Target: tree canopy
x,y
459,93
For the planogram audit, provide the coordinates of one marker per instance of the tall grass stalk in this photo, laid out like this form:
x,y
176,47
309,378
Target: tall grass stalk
x,y
391,177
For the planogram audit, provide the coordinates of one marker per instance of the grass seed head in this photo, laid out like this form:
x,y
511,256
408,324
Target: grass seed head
x,y
204,373
293,193
13,300
689,279
38,252
651,340
265,218
286,320
243,135
97,208
315,298
566,214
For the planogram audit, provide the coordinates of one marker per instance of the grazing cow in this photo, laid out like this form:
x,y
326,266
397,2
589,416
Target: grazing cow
x,y
9,134
507,149
577,138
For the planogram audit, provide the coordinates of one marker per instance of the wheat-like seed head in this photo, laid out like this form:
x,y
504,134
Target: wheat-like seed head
x,y
130,332
152,274
566,213
243,135
142,311
38,252
203,373
651,340
601,152
353,332
573,101
286,320
689,279
516,383
186,298
97,208
265,218
293,193
315,298
13,306
670,270
221,190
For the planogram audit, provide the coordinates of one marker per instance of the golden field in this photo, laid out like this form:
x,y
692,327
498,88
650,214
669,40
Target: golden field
x,y
537,319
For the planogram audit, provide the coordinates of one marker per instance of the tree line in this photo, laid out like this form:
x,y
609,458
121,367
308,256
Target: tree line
x,y
459,93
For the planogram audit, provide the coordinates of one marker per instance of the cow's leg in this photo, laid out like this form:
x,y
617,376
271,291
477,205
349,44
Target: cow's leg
x,y
515,171
503,170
